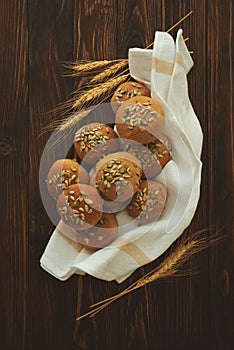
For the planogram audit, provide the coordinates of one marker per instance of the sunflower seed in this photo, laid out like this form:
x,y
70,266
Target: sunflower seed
x,y
88,201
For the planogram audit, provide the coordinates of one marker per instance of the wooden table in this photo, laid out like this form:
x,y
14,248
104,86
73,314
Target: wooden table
x,y
38,311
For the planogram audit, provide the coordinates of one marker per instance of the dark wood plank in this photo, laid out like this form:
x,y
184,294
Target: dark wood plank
x,y
193,326
220,117
95,37
14,173
110,329
137,23
95,31
169,308
36,310
50,302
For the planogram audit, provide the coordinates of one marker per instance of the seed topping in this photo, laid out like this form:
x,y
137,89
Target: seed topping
x,y
139,114
90,137
117,173
128,92
64,178
74,168
146,201
148,154
79,205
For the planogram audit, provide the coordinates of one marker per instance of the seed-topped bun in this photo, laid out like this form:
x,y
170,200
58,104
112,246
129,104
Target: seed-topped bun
x,y
165,141
100,235
153,156
63,173
118,176
80,206
92,142
109,206
140,119
115,206
148,202
126,91
123,154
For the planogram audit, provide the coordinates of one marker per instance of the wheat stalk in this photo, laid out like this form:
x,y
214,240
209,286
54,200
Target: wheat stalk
x,y
99,93
76,118
168,268
95,95
83,68
109,72
84,99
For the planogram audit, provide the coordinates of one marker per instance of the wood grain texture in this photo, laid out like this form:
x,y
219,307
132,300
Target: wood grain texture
x,y
50,43
220,128
13,148
91,20
136,26
36,310
181,323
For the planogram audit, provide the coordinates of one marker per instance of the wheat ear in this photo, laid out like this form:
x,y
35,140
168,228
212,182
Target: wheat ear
x,y
168,268
87,68
109,72
83,68
99,93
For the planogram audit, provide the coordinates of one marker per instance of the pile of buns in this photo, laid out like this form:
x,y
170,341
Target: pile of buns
x,y
114,169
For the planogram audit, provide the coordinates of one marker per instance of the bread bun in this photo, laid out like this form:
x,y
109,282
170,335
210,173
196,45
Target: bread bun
x,y
118,176
92,142
114,206
80,206
153,156
100,235
63,173
126,91
148,202
140,119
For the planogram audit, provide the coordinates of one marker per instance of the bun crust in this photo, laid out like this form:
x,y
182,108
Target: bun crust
x,y
126,91
153,156
149,201
140,119
80,206
63,173
118,178
91,142
100,235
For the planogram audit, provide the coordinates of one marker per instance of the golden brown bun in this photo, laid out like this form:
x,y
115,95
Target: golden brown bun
x,y
126,91
114,206
162,138
109,206
63,173
80,206
118,176
140,119
153,156
91,142
149,201
100,235
123,154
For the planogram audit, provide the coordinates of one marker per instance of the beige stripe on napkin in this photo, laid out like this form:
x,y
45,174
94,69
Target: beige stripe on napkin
x,y
162,66
179,59
165,67
132,250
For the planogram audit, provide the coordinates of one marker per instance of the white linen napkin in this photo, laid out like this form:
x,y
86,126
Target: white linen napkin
x,y
164,71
